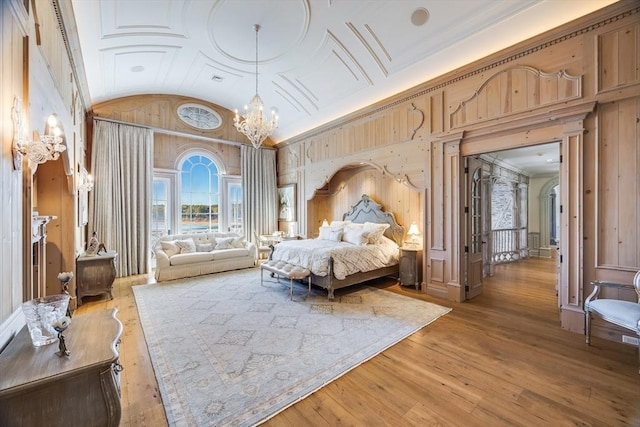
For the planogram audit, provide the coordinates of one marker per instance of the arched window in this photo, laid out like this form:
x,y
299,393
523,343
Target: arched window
x,y
199,194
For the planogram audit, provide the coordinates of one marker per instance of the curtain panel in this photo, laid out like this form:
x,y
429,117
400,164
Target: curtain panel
x,y
260,194
120,203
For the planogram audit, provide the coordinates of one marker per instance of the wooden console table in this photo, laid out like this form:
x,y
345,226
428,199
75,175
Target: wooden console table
x,y
39,388
95,274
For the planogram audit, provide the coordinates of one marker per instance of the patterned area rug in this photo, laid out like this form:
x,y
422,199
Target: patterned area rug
x,y
227,351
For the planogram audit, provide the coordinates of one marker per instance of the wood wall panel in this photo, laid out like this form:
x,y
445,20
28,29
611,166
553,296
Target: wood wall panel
x,y
347,187
168,149
514,90
159,111
12,84
619,57
617,184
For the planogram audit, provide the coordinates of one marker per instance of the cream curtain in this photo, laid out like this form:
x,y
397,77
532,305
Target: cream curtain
x,y
120,203
260,193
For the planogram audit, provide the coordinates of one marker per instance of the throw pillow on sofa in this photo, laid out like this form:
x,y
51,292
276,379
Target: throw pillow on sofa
x,y
238,242
204,247
224,243
186,246
170,247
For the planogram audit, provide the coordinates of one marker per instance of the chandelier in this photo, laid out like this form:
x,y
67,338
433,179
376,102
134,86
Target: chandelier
x,y
254,123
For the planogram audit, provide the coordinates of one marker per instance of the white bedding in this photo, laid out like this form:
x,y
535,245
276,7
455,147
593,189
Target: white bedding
x,y
348,258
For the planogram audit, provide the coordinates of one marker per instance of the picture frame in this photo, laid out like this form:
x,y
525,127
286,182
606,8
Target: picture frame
x,y
287,202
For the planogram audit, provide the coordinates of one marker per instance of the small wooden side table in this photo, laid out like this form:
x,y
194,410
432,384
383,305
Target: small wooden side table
x,y
410,266
95,274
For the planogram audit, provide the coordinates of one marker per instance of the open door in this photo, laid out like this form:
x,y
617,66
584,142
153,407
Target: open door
x,y
475,244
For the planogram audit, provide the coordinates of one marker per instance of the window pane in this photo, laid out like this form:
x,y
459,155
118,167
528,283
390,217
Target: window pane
x,y
199,195
160,209
234,213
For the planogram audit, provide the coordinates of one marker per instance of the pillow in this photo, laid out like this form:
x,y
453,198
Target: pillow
x,y
375,230
325,233
335,235
224,243
355,235
204,247
169,247
238,242
339,224
186,246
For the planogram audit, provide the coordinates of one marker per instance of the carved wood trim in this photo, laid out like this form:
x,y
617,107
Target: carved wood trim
x,y
560,87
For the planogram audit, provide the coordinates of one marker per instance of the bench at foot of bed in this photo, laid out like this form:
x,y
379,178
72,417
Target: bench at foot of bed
x,y
284,269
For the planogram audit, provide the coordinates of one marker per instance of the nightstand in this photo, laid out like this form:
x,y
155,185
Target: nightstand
x,y
410,266
95,274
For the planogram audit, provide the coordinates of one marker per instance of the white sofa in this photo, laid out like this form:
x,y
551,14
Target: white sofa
x,y
186,255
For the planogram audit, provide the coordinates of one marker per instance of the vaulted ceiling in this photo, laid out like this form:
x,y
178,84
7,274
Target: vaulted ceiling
x,y
318,59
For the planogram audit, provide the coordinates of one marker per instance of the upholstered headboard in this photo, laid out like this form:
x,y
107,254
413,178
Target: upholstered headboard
x,y
366,210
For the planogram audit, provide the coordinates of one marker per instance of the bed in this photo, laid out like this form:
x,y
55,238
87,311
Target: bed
x,y
337,263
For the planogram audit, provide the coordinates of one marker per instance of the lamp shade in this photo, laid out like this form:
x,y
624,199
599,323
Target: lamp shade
x,y
413,230
325,223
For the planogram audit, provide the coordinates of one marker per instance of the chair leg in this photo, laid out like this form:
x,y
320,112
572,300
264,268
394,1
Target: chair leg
x,y
587,318
639,353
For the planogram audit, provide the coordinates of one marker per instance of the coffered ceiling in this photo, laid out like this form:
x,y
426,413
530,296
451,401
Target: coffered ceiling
x,y
318,59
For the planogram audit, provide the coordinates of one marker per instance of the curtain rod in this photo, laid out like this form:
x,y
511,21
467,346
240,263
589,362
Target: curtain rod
x,y
178,133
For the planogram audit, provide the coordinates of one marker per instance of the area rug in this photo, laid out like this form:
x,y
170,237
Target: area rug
x,y
227,351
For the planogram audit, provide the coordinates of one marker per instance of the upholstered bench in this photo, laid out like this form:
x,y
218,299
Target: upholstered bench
x,y
284,269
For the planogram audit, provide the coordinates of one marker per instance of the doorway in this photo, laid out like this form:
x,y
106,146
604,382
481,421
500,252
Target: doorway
x,y
511,210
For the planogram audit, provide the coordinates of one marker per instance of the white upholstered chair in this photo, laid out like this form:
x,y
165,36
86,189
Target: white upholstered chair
x,y
263,247
625,314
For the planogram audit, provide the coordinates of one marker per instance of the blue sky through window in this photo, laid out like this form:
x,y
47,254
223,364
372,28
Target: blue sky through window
x,y
199,181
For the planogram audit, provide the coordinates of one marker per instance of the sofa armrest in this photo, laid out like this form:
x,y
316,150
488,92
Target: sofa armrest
x,y
253,249
162,260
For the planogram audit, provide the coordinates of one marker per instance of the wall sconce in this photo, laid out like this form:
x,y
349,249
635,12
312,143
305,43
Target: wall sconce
x,y
86,182
413,233
46,147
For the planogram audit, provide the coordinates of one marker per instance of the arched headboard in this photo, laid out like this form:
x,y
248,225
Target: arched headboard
x,y
367,210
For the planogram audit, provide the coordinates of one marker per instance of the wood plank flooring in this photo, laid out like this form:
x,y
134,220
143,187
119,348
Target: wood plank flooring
x,y
498,360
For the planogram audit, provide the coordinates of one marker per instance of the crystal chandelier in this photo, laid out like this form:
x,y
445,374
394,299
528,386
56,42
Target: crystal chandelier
x,y
254,123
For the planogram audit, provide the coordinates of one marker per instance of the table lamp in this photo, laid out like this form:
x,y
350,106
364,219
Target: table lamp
x,y
413,232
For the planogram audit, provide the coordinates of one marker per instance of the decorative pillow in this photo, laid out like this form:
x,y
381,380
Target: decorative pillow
x,y
339,224
238,242
355,235
186,246
325,233
224,243
204,247
335,235
375,230
169,247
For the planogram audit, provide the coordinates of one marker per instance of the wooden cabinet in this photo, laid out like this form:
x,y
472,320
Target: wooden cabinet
x,y
39,388
95,274
410,267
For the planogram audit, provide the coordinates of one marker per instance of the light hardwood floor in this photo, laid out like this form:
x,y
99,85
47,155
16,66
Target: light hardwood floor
x,y
498,360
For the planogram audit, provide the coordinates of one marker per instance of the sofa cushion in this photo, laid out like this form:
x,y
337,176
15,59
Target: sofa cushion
x,y
204,247
187,246
239,242
184,259
230,253
224,243
169,247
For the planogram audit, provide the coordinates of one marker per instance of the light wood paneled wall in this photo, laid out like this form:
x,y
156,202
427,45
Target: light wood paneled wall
x,y
36,67
578,85
160,113
13,19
